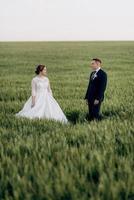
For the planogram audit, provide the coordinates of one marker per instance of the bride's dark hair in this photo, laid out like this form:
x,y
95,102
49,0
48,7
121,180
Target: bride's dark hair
x,y
39,68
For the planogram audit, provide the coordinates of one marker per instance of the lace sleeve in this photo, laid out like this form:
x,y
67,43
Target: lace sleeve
x,y
49,88
33,85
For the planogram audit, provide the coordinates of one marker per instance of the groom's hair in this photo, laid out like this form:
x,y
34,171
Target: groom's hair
x,y
97,60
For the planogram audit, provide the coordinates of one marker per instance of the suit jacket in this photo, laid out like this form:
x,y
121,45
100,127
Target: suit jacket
x,y
96,86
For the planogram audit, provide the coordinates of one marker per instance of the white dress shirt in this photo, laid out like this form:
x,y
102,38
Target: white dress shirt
x,y
95,72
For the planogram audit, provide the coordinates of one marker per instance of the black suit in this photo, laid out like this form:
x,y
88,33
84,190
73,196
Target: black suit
x,y
95,91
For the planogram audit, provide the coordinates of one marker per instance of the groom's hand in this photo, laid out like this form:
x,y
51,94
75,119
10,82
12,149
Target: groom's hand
x,y
86,101
96,102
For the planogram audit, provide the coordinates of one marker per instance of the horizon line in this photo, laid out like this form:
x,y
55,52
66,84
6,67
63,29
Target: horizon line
x,y
67,40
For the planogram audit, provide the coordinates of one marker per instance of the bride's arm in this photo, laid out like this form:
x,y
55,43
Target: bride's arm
x,y
49,88
33,85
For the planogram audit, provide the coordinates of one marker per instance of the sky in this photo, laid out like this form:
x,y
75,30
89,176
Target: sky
x,y
66,20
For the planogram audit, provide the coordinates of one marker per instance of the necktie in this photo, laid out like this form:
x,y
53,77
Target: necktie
x,y
92,76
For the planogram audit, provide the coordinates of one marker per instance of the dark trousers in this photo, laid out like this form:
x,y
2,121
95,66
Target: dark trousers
x,y
94,111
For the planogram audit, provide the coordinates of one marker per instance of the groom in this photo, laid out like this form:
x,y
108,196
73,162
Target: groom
x,y
96,88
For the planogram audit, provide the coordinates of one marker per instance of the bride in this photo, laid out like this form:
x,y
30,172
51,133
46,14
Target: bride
x,y
41,103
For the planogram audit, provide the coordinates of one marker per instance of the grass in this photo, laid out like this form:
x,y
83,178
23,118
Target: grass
x,y
46,160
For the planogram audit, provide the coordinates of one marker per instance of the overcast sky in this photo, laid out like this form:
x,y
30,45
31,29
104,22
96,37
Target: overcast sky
x,y
66,20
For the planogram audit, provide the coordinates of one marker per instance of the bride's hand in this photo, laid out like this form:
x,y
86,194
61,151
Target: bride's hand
x,y
33,104
33,101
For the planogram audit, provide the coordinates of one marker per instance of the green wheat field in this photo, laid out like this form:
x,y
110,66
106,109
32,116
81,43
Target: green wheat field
x,y
47,160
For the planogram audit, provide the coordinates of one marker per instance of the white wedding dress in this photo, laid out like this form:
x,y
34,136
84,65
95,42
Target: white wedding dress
x,y
46,107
